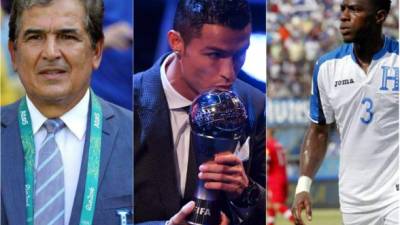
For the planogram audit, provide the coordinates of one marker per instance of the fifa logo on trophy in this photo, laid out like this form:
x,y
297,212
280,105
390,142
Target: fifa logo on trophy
x,y
218,121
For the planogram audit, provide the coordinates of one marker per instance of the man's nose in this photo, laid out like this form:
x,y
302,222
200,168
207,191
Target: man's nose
x,y
51,50
228,69
344,15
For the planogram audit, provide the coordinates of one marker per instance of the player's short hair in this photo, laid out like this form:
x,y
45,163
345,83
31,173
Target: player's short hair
x,y
93,21
191,15
382,4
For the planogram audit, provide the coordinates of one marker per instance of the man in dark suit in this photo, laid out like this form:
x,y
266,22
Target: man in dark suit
x,y
66,154
209,41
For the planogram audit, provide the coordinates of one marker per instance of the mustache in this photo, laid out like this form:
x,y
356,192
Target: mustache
x,y
52,66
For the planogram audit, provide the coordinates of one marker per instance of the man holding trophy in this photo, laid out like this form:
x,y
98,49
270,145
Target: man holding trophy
x,y
215,156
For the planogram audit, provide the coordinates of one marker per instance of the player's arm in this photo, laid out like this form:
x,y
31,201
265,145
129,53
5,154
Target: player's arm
x,y
312,154
313,149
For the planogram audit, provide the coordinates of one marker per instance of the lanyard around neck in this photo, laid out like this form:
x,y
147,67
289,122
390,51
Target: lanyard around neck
x,y
92,174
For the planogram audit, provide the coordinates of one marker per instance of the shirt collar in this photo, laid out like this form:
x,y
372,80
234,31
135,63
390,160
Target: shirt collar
x,y
381,52
174,99
75,119
37,117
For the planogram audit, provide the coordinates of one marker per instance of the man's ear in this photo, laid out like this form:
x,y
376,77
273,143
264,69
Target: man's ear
x,y
12,49
380,16
98,52
176,42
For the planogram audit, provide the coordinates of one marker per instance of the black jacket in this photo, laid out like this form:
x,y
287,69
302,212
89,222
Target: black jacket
x,y
157,195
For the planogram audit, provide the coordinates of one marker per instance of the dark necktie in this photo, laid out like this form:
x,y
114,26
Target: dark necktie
x,y
192,171
49,180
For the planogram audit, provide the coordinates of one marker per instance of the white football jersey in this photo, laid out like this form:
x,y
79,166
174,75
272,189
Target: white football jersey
x,y
365,107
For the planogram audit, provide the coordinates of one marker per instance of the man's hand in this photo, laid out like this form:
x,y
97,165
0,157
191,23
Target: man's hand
x,y
225,173
181,217
302,201
224,219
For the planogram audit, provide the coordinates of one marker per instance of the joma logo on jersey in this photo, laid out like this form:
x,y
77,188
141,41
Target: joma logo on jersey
x,y
390,74
343,82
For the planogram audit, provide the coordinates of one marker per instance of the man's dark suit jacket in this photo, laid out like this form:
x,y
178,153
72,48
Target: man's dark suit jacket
x,y
115,180
157,196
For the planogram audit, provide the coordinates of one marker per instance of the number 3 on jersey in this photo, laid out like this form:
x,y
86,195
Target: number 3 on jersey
x,y
367,117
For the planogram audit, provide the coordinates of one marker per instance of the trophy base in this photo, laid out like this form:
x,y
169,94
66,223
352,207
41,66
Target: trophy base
x,y
205,213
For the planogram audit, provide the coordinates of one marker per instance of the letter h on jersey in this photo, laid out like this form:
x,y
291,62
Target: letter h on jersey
x,y
394,77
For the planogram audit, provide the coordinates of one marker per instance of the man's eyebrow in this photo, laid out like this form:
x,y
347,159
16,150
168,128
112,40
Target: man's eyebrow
x,y
213,48
41,31
67,31
32,31
354,4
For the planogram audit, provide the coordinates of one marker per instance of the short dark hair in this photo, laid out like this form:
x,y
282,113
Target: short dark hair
x,y
382,4
94,10
191,15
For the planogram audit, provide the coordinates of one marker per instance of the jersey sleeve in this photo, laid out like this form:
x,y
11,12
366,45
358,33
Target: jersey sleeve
x,y
321,111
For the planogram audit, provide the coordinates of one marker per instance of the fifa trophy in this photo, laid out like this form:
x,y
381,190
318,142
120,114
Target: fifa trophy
x,y
218,121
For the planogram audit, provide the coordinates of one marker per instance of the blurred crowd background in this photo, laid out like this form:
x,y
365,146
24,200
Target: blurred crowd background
x,y
298,32
10,86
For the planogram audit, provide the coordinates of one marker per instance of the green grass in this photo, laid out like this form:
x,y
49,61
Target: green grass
x,y
320,217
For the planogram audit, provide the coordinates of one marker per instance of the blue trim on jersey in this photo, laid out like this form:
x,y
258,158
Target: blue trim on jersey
x,y
340,52
316,112
390,46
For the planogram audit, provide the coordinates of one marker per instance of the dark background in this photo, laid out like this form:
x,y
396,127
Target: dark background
x,y
153,19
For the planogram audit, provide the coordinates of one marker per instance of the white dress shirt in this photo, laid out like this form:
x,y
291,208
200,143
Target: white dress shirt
x,y
70,141
179,123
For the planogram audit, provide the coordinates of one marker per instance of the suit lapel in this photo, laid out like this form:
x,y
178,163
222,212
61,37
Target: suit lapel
x,y
13,175
107,141
108,137
156,130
